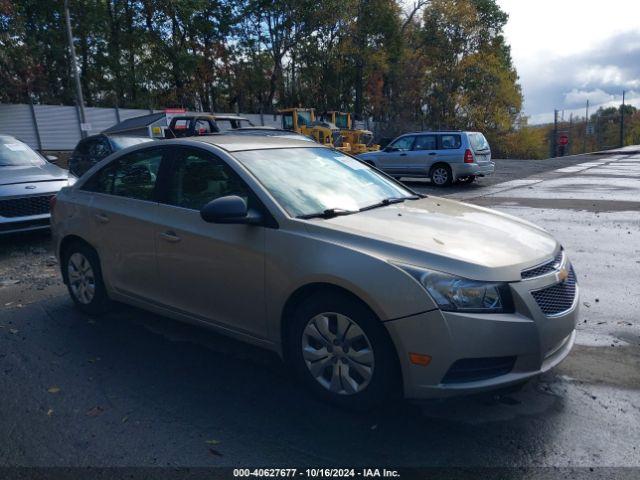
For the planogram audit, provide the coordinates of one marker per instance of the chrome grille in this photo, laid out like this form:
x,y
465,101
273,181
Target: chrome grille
x,y
25,206
557,298
545,268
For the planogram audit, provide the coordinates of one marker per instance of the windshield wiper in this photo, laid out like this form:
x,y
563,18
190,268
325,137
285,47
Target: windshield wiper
x,y
389,201
328,213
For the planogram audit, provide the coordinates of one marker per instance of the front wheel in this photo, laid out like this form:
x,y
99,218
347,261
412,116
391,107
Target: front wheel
x,y
342,353
441,175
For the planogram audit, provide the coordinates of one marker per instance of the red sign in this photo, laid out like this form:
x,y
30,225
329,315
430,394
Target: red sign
x,y
563,139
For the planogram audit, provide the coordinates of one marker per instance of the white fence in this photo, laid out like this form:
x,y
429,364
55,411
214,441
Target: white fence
x,y
57,127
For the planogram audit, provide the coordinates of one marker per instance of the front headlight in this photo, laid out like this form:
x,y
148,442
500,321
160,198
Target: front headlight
x,y
453,293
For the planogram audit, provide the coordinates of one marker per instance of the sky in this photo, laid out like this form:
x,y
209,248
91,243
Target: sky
x,y
568,51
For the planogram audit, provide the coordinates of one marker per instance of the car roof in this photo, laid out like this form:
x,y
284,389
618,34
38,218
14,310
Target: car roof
x,y
229,117
237,143
134,123
435,131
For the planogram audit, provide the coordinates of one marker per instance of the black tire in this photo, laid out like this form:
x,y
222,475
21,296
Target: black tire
x,y
385,383
99,302
441,175
466,180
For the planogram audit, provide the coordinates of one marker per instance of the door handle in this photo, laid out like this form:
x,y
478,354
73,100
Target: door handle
x,y
170,237
433,153
102,218
403,154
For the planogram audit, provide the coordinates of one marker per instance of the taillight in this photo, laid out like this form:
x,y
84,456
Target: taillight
x,y
52,203
468,156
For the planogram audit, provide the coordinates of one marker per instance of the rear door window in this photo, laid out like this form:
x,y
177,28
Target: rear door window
x,y
132,176
450,142
425,142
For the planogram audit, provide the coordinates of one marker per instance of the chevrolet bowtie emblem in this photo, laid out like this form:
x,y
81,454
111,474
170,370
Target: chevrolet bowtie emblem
x,y
563,274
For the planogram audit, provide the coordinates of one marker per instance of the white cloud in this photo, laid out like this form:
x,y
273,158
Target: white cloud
x,y
572,50
579,97
578,112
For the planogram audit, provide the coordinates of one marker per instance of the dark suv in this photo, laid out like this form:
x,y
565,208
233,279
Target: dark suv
x,y
91,150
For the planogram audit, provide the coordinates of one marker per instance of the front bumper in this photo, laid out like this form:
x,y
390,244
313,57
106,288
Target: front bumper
x,y
461,170
24,224
534,342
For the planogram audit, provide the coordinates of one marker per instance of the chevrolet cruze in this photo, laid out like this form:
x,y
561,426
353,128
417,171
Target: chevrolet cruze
x,y
364,287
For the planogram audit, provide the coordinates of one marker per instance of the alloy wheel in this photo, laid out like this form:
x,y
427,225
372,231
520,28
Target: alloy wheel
x,y
81,278
337,353
440,176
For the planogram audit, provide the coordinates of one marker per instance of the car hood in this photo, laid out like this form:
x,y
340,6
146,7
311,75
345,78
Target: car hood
x,y
46,172
445,235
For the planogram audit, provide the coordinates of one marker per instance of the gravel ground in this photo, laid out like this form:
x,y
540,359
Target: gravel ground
x,y
28,269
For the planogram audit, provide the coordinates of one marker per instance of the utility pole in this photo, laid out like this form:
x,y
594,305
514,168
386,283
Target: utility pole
x,y
622,121
586,128
554,141
569,147
74,65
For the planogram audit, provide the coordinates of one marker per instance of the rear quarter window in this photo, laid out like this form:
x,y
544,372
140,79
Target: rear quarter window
x,y
478,142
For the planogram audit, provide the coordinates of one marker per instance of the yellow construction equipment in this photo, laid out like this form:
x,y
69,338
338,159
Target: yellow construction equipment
x,y
361,141
303,120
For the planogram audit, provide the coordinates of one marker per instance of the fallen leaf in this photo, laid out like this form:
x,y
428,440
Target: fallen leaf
x,y
49,412
213,451
14,330
213,442
125,418
53,389
95,411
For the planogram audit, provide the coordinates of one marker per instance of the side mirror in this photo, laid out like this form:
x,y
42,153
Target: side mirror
x,y
230,209
52,158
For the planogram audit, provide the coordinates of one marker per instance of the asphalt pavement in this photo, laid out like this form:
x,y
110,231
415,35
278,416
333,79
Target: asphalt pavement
x,y
135,389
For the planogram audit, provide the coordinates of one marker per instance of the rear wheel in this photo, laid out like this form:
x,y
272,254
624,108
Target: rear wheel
x,y
341,352
82,272
441,175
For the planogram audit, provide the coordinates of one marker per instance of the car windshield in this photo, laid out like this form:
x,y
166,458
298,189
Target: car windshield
x,y
15,153
123,142
310,181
